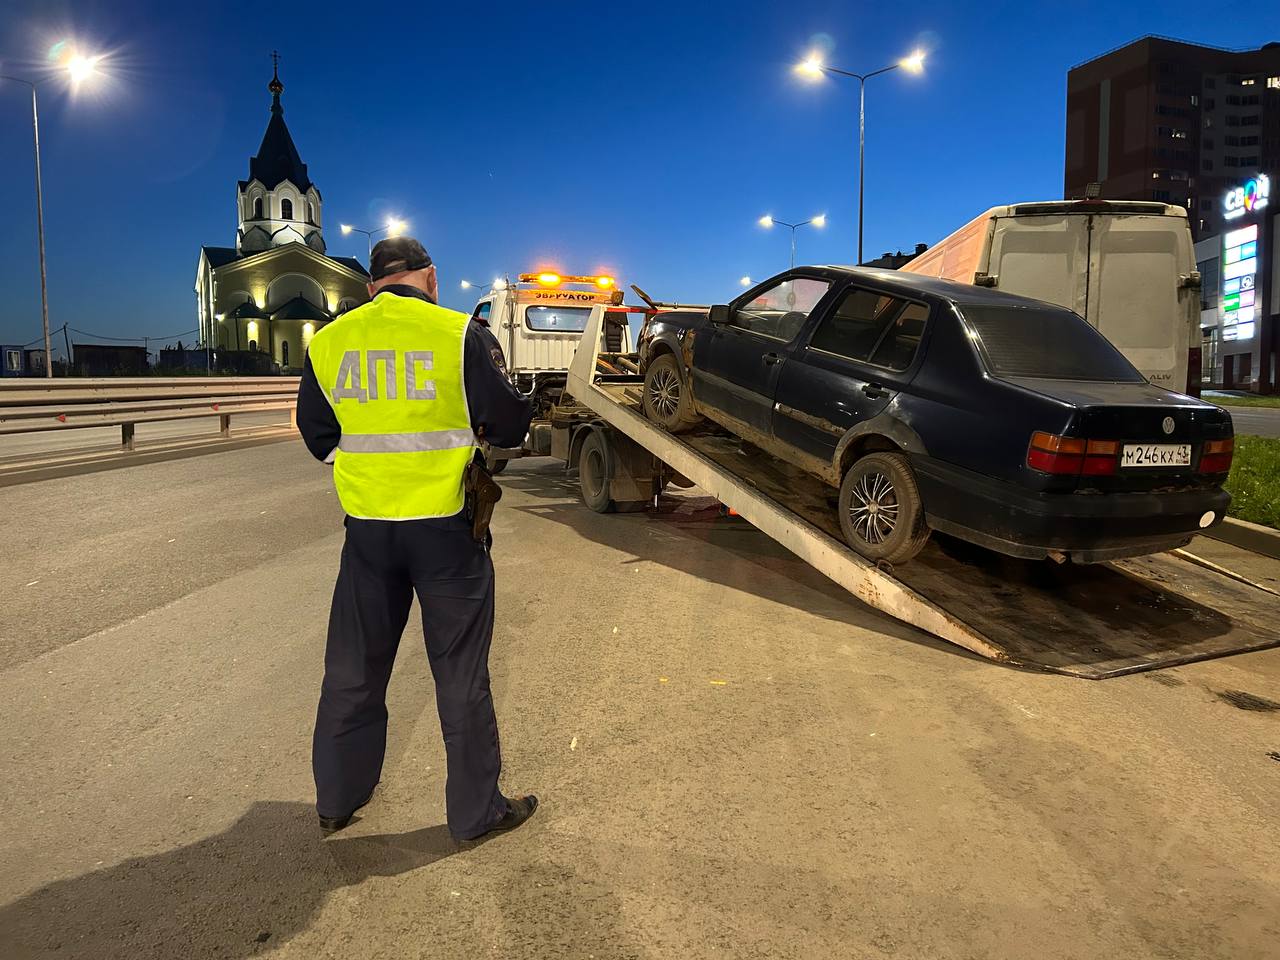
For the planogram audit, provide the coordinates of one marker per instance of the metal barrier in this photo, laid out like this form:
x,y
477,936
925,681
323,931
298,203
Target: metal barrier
x,y
32,406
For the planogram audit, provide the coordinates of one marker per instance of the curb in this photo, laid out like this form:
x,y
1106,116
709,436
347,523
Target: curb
x,y
1248,536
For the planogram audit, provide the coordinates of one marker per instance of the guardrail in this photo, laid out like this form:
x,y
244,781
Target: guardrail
x,y
32,406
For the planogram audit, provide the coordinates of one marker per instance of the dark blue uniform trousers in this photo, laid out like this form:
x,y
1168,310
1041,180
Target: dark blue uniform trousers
x,y
383,564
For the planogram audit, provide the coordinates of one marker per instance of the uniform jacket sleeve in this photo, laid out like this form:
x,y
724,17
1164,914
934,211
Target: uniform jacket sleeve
x,y
317,422
498,412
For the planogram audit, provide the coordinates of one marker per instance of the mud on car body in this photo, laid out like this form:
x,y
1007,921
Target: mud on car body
x,y
933,405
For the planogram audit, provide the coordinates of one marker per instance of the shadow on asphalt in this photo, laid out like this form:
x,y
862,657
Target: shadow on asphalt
x,y
235,894
677,536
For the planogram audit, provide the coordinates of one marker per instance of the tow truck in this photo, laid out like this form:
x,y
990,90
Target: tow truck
x,y
539,318
1095,621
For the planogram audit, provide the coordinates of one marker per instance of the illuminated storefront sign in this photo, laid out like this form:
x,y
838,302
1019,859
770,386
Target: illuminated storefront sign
x,y
1239,304
1252,196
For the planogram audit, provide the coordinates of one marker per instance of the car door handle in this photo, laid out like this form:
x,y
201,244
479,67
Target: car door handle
x,y
874,391
772,358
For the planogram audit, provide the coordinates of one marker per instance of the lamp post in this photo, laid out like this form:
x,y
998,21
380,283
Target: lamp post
x,y
78,69
768,221
393,228
468,285
813,68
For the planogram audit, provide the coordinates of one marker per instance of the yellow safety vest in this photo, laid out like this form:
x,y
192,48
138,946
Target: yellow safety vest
x,y
392,369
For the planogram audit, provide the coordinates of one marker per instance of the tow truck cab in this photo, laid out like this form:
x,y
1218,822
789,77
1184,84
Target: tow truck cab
x,y
539,319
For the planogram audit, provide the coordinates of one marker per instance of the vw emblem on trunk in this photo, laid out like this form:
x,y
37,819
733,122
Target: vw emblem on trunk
x,y
1167,425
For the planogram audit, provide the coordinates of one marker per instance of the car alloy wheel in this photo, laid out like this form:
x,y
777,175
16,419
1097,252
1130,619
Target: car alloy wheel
x,y
873,508
664,392
881,513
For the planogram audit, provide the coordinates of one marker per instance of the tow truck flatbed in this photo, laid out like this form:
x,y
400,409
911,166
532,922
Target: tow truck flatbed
x,y
1092,621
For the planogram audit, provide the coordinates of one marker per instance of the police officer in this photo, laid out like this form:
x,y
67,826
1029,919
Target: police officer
x,y
395,394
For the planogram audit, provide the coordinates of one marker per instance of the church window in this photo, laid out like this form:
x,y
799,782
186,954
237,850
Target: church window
x,y
286,209
284,353
253,345
257,208
311,213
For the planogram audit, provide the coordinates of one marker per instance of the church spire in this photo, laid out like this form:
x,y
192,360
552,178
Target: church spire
x,y
275,86
277,159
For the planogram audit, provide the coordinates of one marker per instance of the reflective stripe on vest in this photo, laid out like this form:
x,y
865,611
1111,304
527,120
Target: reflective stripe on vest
x,y
393,372
406,442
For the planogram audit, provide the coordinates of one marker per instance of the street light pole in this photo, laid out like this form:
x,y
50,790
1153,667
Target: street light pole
x,y
44,276
768,221
814,68
79,69
862,155
395,226
44,281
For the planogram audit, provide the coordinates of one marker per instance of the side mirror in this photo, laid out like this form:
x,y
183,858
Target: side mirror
x,y
720,314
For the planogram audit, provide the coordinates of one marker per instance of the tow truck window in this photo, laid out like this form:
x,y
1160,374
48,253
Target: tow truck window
x,y
1046,344
557,319
873,328
780,311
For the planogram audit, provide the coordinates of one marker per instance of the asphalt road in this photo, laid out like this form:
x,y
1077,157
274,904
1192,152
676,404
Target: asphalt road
x,y
735,759
1256,421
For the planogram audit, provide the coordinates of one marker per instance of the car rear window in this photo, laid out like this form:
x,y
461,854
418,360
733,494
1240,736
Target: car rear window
x,y
1045,344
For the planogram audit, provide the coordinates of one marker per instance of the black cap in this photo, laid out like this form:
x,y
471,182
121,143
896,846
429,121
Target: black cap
x,y
397,255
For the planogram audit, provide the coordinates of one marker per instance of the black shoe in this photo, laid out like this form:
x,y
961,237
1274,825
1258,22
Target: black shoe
x,y
519,809
330,825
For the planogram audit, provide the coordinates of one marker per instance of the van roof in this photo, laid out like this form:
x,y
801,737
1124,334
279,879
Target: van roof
x,y
909,283
1129,207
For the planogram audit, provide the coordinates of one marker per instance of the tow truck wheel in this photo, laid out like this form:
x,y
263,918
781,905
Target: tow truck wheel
x,y
593,473
666,397
881,515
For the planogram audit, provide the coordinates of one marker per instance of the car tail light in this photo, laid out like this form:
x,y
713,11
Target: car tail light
x,y
1215,456
1101,457
1054,454
1051,453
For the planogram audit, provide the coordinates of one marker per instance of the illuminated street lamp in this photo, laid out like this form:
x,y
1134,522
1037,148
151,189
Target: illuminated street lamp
x,y
468,285
393,228
813,68
768,221
745,281
79,69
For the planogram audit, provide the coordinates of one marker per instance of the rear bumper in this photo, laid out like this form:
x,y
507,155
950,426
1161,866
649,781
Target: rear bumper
x,y
1087,527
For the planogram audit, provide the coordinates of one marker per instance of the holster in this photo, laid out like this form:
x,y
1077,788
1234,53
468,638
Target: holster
x,y
482,492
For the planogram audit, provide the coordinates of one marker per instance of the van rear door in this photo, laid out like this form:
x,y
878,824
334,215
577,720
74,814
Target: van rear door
x,y
1135,296
1043,257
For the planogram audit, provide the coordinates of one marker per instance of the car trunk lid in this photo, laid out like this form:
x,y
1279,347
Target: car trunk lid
x,y
1160,435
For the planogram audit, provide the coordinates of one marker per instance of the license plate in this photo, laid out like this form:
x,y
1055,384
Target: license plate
x,y
1156,455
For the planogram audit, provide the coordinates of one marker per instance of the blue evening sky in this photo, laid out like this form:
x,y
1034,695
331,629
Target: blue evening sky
x,y
644,139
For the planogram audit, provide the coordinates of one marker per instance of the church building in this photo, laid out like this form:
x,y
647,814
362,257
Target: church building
x,y
262,300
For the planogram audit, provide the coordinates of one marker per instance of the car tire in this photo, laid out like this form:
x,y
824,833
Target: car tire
x,y
666,396
499,466
594,473
881,515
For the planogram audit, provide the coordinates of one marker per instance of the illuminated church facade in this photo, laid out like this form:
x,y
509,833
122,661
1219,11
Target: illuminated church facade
x,y
268,295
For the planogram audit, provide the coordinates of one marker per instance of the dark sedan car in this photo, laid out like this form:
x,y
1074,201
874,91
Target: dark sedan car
x,y
933,405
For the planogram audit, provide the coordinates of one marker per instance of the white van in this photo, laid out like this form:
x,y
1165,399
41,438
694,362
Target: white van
x,y
539,319
1126,266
